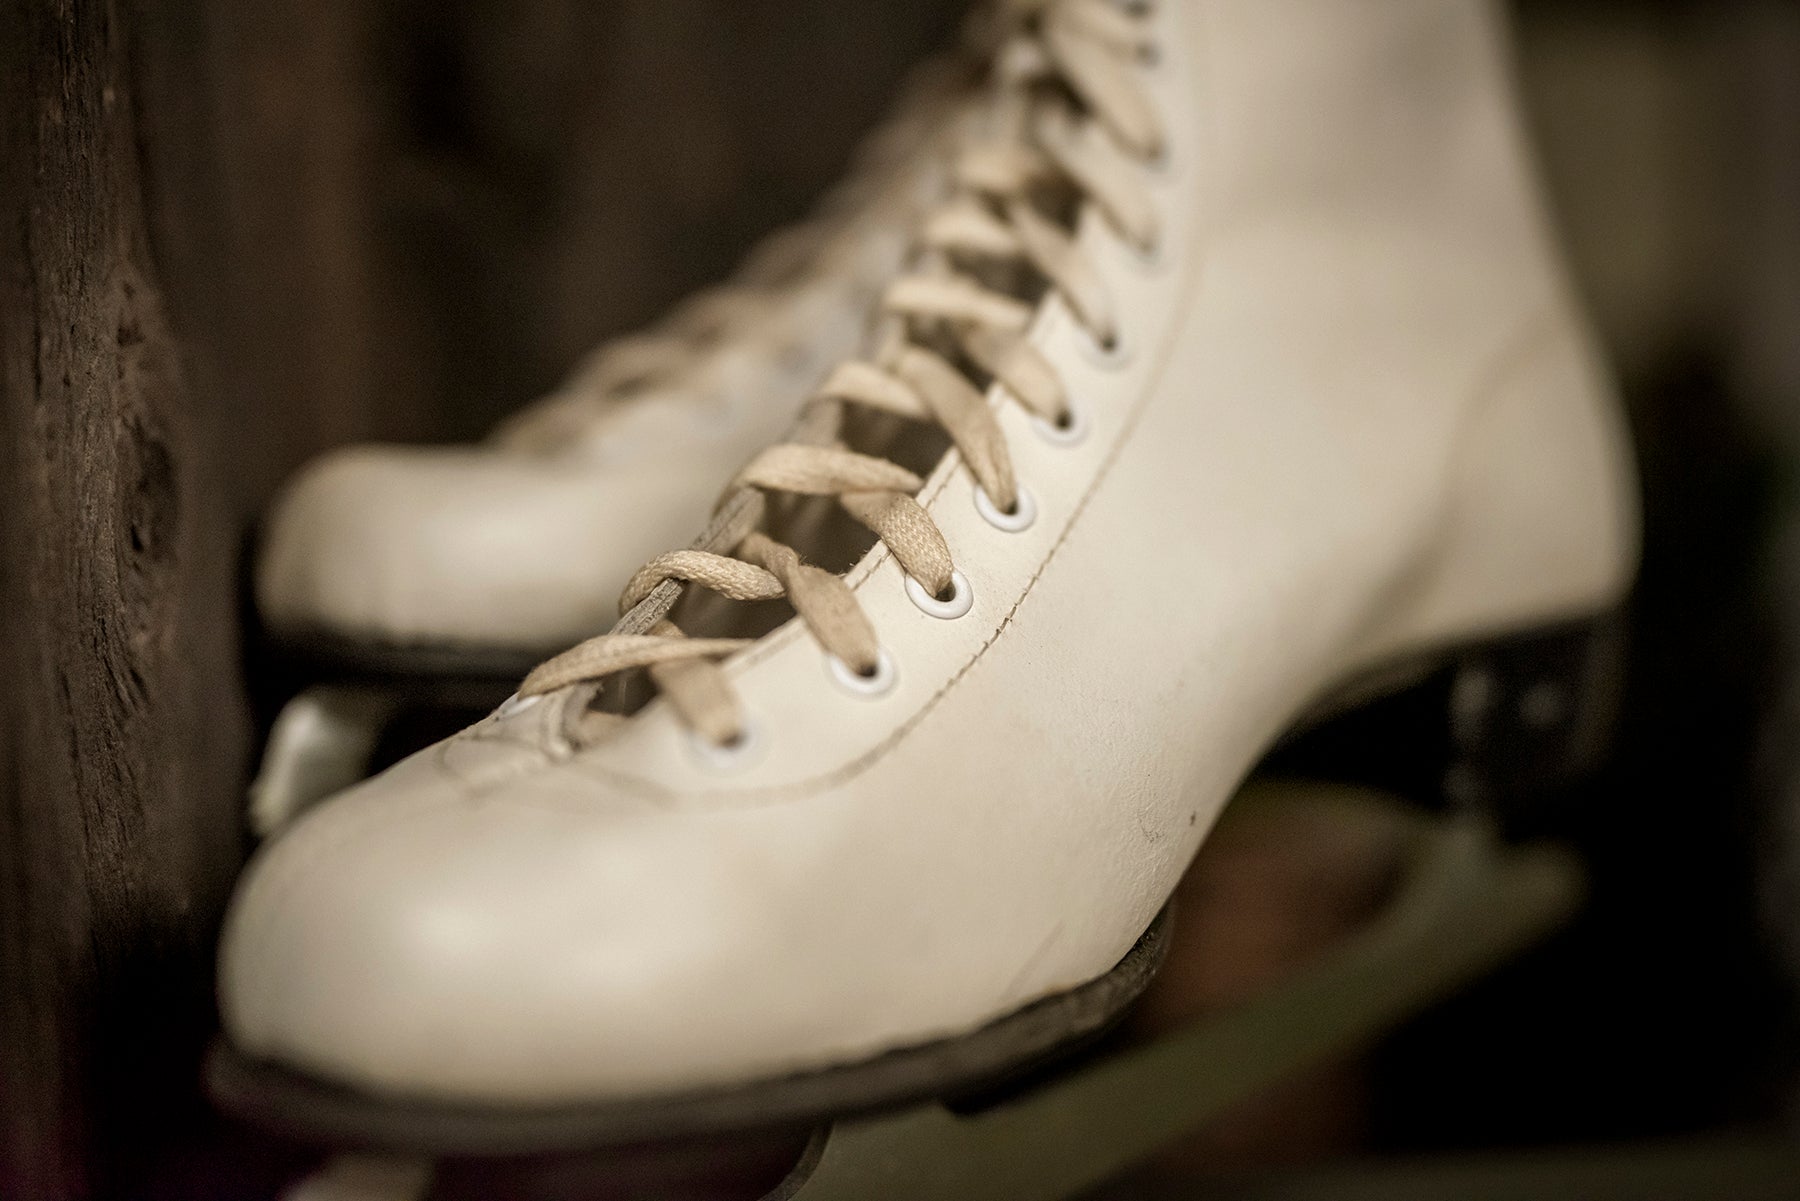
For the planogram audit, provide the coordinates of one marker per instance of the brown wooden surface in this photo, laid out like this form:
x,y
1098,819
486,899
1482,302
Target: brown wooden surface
x,y
124,727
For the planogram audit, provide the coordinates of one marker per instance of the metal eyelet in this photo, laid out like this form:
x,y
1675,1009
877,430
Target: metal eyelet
x,y
1070,431
878,683
959,602
1024,510
1111,354
726,757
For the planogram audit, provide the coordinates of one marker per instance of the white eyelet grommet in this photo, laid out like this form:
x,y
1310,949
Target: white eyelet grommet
x,y
959,602
1071,430
514,705
731,756
1024,510
1111,355
880,683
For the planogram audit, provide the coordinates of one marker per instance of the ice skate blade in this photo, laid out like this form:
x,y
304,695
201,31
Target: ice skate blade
x,y
1467,904
321,743
312,1110
326,736
1500,726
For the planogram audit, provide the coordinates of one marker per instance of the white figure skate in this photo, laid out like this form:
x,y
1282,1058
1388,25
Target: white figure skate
x,y
400,575
1238,386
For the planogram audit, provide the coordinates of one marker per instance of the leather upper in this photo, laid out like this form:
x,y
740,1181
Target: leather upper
x,y
1355,415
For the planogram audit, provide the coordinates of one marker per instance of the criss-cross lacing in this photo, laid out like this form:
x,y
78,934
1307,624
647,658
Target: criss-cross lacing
x,y
1078,111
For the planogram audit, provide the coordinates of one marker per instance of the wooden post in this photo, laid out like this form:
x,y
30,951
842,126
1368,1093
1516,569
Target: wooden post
x,y
124,729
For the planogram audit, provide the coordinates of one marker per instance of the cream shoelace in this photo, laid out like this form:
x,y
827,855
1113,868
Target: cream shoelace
x,y
1079,119
759,309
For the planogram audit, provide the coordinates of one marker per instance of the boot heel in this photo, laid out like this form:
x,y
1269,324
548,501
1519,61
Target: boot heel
x,y
1530,715
1504,727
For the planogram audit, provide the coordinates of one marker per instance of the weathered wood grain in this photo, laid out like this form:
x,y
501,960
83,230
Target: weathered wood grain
x,y
124,727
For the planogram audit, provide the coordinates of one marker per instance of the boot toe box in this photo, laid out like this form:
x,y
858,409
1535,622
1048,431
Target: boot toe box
x,y
452,949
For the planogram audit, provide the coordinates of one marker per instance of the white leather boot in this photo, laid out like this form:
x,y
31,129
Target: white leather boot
x,y
1243,381
481,560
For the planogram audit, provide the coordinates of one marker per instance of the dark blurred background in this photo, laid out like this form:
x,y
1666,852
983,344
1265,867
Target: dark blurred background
x,y
276,227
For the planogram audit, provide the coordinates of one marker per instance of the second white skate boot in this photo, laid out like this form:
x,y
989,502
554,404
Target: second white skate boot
x,y
398,576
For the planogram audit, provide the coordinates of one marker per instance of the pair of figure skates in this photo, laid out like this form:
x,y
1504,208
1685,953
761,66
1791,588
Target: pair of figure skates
x,y
1194,372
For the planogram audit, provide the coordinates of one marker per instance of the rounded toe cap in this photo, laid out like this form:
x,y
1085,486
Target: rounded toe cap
x,y
492,953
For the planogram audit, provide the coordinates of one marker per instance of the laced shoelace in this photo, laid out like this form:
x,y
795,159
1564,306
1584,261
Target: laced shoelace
x,y
1082,114
758,310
